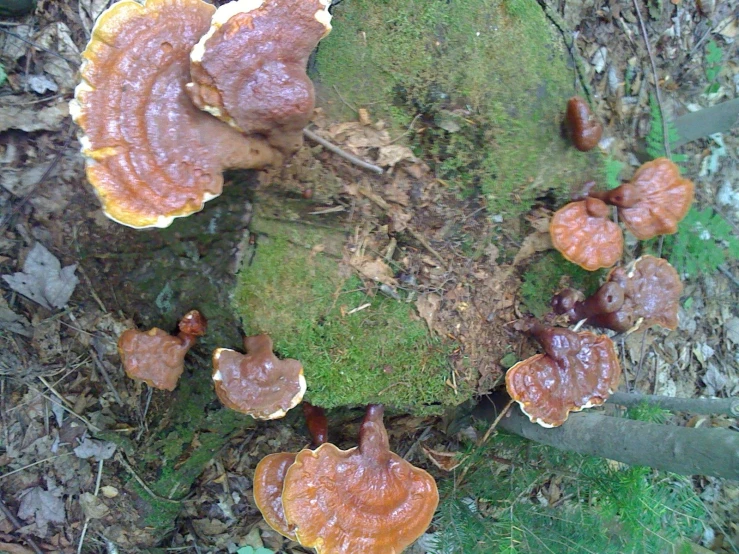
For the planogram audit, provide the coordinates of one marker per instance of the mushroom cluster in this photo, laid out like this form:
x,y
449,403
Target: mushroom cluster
x,y
651,204
366,499
154,152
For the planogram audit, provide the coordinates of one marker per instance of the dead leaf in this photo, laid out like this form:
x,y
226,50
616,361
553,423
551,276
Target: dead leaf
x,y
43,279
89,11
446,461
428,306
374,269
92,448
390,155
92,506
11,321
31,118
46,338
534,243
20,182
41,84
364,116
43,507
399,219
9,548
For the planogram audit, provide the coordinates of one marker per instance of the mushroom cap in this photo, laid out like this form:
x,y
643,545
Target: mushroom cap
x,y
578,370
584,129
257,383
269,478
664,199
365,499
151,155
153,356
584,235
249,69
651,291
193,323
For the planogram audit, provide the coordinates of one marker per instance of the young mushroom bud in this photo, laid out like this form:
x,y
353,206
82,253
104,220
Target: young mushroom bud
x,y
366,499
608,299
156,357
257,383
584,235
582,126
577,371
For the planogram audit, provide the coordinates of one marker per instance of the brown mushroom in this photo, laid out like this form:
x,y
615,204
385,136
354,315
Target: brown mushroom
x,y
654,201
644,294
366,499
584,235
156,357
582,126
315,420
577,371
249,69
257,383
151,155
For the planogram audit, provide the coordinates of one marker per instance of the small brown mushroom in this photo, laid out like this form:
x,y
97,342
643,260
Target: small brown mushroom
x,y
249,69
151,155
644,294
654,201
156,357
582,126
584,235
577,371
257,383
366,499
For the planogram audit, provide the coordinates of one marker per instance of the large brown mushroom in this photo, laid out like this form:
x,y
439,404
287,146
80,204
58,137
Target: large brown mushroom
x,y
654,201
257,383
366,499
584,235
577,371
156,357
582,126
249,69
644,294
151,155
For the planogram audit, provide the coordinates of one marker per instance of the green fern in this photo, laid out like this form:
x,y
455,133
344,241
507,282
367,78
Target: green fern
x,y
656,139
612,170
712,68
704,241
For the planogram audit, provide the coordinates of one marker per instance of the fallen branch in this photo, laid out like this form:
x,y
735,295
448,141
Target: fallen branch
x,y
343,153
707,406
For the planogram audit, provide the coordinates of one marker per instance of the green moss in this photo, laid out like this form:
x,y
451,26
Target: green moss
x,y
550,273
381,353
488,80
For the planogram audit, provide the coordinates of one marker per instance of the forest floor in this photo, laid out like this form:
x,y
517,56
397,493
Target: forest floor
x,y
60,375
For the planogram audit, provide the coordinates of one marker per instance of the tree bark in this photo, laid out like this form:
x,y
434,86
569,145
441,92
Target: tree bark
x,y
708,406
687,451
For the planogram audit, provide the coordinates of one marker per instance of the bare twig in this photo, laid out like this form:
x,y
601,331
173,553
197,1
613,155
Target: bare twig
x,y
87,519
49,459
140,481
485,437
101,367
707,406
343,153
17,524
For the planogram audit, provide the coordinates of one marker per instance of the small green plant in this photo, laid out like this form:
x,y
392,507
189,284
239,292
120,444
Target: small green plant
x,y
656,138
612,170
714,57
3,75
252,550
704,241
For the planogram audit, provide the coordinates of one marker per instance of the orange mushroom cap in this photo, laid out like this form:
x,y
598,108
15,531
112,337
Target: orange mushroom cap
x,y
659,201
584,235
151,155
269,478
366,499
257,383
578,370
156,357
249,69
582,126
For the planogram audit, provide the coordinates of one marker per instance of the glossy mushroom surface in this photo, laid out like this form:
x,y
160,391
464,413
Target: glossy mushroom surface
x,y
249,69
257,383
150,154
582,126
577,371
269,478
156,357
584,235
366,499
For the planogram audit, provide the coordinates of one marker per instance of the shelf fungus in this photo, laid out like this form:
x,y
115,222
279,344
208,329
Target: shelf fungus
x,y
577,371
156,357
257,383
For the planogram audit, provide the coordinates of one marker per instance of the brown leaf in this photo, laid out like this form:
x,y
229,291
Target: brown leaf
x,y
446,461
534,243
428,306
392,154
374,269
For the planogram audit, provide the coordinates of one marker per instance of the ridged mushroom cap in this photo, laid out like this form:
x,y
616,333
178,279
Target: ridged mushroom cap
x,y
269,478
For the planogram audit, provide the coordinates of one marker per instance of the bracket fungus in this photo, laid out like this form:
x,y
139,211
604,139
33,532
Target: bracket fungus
x,y
577,371
584,235
654,201
645,293
249,69
582,126
366,499
156,357
257,383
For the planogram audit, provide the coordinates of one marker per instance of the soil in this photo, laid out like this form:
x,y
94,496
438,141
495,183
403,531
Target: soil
x,y
61,382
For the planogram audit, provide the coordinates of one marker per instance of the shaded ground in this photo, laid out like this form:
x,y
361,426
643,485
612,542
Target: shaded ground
x,y
463,269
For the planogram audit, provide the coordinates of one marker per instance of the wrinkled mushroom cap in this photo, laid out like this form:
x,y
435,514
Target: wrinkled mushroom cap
x,y
651,290
269,478
366,499
151,155
584,235
154,357
583,127
249,69
664,199
579,370
257,383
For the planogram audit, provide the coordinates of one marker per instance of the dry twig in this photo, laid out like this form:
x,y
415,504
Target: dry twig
x,y
343,153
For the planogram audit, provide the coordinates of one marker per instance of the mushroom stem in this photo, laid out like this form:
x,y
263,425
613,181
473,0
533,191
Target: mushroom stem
x,y
315,420
624,196
608,299
373,439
